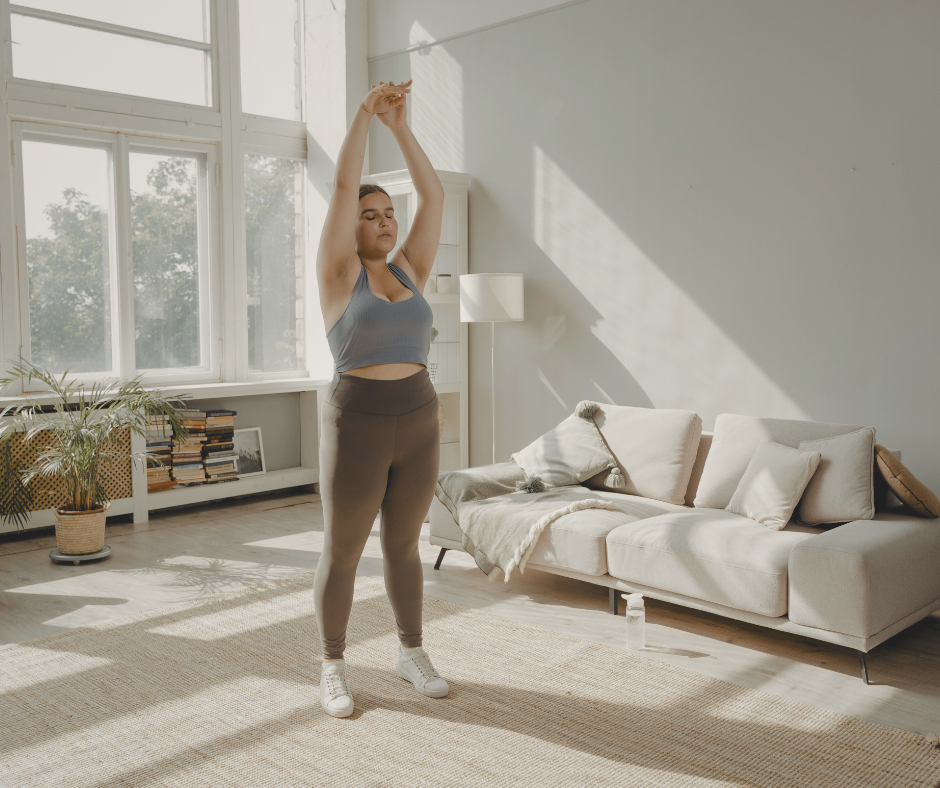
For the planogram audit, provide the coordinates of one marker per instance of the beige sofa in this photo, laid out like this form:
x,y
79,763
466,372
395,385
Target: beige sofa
x,y
855,585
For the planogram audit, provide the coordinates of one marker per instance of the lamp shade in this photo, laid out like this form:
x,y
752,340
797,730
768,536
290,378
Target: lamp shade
x,y
488,298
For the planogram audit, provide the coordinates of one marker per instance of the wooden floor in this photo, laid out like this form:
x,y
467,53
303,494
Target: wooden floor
x,y
211,548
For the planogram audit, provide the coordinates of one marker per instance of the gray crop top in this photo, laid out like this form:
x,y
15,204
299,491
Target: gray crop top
x,y
372,330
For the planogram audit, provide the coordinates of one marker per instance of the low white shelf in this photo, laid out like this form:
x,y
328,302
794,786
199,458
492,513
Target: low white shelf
x,y
263,482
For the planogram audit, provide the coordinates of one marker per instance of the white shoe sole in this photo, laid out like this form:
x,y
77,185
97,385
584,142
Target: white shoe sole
x,y
428,693
336,713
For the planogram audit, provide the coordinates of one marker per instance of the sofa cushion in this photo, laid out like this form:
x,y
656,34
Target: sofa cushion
x,y
734,442
708,554
567,454
864,576
655,449
577,541
773,483
842,489
697,467
912,492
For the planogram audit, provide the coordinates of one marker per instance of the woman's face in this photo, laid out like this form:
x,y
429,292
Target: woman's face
x,y
376,228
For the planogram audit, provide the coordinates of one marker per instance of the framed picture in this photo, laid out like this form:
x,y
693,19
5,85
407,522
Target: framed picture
x,y
250,451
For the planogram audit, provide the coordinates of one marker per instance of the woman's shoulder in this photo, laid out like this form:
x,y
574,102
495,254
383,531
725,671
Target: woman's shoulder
x,y
399,260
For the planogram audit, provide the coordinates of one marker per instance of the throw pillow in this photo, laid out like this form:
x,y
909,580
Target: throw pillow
x,y
734,442
911,492
568,454
654,448
772,483
842,489
704,446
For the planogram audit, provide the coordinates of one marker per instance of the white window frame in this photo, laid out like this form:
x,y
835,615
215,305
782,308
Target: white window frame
x,y
223,129
85,139
119,147
259,120
210,295
131,32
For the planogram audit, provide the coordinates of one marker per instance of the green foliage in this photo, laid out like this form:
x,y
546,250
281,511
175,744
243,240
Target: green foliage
x,y
70,296
164,232
78,435
69,288
274,282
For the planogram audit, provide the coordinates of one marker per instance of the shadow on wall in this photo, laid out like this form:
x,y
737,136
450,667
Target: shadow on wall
x,y
677,354
669,352
321,169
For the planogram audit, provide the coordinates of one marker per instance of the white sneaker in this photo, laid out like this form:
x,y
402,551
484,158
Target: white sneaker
x,y
415,665
335,695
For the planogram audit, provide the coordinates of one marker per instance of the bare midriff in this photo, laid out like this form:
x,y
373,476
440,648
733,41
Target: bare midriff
x,y
395,371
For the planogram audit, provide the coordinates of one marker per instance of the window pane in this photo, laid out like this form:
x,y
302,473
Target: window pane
x,y
66,55
274,227
67,199
166,259
180,18
270,58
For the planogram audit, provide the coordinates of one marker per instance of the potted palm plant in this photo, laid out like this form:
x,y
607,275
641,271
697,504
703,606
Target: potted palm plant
x,y
75,432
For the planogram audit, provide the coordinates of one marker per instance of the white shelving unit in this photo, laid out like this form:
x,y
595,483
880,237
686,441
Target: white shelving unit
x,y
449,351
141,503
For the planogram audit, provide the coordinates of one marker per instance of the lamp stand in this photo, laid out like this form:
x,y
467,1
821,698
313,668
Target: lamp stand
x,y
493,381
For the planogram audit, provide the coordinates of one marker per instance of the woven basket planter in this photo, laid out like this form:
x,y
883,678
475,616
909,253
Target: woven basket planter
x,y
80,533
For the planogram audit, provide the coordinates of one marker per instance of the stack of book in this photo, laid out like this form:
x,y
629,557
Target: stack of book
x,y
219,457
188,470
159,443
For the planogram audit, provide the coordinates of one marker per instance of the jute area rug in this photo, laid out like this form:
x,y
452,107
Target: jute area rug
x,y
223,691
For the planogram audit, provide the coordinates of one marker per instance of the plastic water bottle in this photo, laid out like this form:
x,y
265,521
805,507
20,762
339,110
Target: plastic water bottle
x,y
636,621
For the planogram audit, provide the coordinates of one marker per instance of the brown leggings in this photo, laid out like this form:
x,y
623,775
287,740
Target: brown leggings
x,y
379,451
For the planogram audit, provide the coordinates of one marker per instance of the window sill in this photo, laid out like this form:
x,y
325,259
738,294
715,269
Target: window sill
x,y
238,389
214,389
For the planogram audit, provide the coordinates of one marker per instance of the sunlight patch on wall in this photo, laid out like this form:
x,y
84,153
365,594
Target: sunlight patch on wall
x,y
604,397
676,353
553,329
437,102
551,389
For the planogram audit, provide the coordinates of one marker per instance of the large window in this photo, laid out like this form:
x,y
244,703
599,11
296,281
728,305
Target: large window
x,y
155,157
160,50
271,58
170,260
69,254
105,254
274,235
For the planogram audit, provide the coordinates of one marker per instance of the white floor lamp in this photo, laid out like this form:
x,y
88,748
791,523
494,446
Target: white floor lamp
x,y
491,298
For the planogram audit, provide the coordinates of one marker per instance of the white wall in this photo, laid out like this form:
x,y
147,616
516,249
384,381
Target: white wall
x,y
392,22
726,206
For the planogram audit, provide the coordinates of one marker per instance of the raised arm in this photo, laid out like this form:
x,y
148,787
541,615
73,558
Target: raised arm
x,y
338,238
420,247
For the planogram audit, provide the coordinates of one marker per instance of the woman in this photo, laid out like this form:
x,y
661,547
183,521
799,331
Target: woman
x,y
379,439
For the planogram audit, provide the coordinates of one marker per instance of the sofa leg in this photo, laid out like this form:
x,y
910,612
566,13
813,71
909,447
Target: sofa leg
x,y
864,664
613,600
440,558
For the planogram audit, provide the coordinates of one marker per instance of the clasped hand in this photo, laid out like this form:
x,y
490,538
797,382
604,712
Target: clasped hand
x,y
387,102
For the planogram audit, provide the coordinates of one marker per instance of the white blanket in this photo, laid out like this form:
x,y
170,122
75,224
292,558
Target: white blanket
x,y
501,532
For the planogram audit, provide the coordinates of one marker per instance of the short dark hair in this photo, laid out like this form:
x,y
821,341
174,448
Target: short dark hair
x,y
371,188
